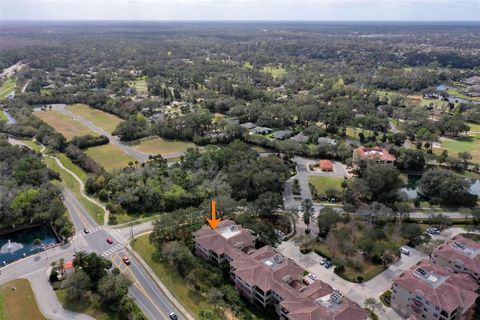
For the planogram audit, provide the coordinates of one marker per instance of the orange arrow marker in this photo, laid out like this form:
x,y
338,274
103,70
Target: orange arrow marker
x,y
214,221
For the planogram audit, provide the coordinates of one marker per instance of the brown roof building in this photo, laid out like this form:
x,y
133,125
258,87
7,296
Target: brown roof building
x,y
377,154
461,255
430,292
326,165
265,277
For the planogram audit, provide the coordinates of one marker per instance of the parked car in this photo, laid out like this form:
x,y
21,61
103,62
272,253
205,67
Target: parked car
x,y
126,260
322,262
328,264
405,251
109,240
312,276
173,316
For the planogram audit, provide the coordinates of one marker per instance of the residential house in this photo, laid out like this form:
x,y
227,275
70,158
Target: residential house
x,y
301,138
261,130
326,141
282,135
248,125
326,165
377,154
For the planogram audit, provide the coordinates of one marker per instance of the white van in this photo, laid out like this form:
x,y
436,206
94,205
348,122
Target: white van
x,y
405,251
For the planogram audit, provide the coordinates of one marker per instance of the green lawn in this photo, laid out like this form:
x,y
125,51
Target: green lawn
x,y
162,146
72,167
33,145
64,124
323,183
3,117
69,181
101,119
140,84
91,308
109,156
454,92
19,303
7,87
469,143
275,71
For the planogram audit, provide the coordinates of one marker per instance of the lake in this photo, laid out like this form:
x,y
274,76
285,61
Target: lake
x,y
412,183
15,245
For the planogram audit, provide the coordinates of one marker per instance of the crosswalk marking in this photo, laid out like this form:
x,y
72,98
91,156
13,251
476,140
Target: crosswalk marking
x,y
116,234
112,250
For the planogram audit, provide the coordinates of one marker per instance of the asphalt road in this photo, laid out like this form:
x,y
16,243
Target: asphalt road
x,y
144,291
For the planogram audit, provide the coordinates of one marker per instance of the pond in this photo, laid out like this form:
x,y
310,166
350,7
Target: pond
x,y
444,87
410,188
18,244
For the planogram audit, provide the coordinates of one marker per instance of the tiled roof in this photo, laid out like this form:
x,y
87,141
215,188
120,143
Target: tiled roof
x,y
226,235
374,154
462,249
268,270
440,286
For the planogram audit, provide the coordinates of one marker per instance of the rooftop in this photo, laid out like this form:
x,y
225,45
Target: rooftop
x,y
439,286
375,153
461,249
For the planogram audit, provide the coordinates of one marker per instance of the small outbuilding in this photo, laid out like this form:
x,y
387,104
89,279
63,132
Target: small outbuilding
x,y
326,165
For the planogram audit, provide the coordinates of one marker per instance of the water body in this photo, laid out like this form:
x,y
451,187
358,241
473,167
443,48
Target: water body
x,y
10,120
444,87
15,245
412,183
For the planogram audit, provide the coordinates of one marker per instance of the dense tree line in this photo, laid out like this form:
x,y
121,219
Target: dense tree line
x,y
26,192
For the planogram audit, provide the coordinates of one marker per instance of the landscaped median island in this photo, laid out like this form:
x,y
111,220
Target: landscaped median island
x,y
18,302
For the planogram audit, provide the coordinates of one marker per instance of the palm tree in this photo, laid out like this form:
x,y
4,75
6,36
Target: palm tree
x,y
79,259
307,210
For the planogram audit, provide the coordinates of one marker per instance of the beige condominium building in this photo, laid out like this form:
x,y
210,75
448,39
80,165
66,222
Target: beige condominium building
x,y
266,278
461,255
431,292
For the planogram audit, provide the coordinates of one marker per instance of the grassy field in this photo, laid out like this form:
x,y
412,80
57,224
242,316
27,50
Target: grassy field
x,y
454,92
101,119
469,143
20,303
162,146
140,84
323,183
3,117
63,124
7,87
275,71
89,308
69,181
109,156
33,145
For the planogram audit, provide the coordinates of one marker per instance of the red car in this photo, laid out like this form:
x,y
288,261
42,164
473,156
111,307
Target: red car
x,y
109,240
126,260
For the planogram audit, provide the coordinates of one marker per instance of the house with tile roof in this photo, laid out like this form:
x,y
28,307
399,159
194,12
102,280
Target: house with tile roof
x,y
266,278
377,154
459,254
428,291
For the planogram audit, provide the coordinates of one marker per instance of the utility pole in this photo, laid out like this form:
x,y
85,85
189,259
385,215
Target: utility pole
x,y
131,234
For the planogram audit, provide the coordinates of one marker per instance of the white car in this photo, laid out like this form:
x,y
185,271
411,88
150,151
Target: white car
x,y
312,276
405,251
322,262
